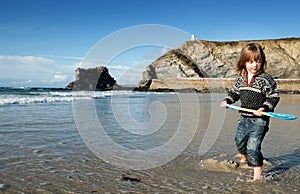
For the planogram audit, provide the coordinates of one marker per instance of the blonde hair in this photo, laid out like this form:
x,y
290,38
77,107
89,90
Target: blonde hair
x,y
251,52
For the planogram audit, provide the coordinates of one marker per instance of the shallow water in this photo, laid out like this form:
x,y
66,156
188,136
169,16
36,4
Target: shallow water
x,y
43,148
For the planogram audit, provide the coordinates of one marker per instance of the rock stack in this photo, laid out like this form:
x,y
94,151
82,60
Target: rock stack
x,y
96,78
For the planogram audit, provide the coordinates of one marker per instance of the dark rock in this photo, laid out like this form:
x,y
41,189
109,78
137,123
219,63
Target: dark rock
x,y
4,187
93,79
130,178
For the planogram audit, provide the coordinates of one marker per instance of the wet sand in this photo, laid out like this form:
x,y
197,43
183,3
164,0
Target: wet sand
x,y
183,175
56,163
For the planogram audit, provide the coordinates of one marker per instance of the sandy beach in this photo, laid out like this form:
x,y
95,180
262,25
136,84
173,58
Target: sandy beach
x,y
43,152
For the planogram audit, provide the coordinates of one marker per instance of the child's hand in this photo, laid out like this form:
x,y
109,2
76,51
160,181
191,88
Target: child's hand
x,y
258,112
223,104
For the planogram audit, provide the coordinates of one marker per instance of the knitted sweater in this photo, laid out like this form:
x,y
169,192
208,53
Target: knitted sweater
x,y
262,94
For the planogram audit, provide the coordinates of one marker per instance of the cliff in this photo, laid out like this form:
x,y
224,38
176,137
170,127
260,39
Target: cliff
x,y
192,66
210,59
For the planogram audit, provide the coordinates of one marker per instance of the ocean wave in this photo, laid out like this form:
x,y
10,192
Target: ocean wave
x,y
30,100
31,97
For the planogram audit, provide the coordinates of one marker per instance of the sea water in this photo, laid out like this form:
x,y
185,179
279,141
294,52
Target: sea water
x,y
50,143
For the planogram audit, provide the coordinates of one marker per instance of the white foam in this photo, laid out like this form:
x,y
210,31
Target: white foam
x,y
58,96
31,99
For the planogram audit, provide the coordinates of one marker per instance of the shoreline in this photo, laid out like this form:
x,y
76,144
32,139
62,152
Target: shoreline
x,y
206,85
186,85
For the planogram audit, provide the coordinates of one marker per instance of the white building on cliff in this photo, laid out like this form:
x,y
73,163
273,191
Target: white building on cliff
x,y
193,37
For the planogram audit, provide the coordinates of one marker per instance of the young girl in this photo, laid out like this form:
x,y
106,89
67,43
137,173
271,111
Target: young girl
x,y
256,90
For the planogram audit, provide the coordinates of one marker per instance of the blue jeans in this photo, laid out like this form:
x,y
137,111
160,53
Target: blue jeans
x,y
249,136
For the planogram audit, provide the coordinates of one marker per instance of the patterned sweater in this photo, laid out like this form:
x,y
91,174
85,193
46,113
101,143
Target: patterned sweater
x,y
263,93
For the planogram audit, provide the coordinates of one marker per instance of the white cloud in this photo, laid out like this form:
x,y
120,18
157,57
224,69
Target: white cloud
x,y
14,67
17,70
22,59
17,83
59,78
119,67
128,75
59,70
22,65
64,57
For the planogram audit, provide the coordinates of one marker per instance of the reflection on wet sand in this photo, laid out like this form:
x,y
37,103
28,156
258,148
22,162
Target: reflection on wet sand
x,y
51,158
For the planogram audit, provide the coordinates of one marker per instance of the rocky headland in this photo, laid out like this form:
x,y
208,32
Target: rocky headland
x,y
195,63
203,66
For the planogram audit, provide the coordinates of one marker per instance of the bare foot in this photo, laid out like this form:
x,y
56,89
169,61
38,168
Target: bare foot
x,y
259,179
257,176
243,159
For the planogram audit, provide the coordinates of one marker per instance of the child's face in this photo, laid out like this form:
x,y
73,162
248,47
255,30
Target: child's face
x,y
253,66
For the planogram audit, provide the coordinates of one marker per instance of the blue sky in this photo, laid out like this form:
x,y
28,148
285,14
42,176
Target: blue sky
x,y
43,41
